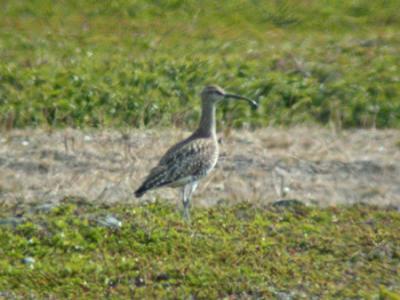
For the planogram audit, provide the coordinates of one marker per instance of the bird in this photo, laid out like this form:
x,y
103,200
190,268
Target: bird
x,y
188,161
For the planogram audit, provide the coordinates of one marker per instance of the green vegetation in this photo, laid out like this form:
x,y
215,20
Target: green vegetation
x,y
142,63
244,250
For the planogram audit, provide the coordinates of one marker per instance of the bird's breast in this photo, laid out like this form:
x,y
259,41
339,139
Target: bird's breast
x,y
213,155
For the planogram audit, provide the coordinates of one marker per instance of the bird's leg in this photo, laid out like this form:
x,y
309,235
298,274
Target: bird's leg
x,y
185,202
188,190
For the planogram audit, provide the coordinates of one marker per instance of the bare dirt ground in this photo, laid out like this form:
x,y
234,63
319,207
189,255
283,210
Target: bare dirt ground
x,y
312,165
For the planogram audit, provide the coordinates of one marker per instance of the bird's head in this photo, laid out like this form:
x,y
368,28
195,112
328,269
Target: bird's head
x,y
214,94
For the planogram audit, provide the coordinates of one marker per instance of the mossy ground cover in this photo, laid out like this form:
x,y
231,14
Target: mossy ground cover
x,y
241,251
143,63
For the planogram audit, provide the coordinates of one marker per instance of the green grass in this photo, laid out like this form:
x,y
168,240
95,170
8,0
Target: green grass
x,y
143,63
243,251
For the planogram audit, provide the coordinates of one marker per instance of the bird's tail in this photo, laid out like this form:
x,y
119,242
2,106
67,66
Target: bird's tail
x,y
158,177
140,191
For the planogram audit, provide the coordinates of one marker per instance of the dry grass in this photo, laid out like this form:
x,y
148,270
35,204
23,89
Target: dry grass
x,y
308,164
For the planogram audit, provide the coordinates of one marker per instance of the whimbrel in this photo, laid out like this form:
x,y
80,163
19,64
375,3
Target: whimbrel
x,y
185,163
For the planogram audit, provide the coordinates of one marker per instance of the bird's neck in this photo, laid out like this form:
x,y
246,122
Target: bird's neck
x,y
207,127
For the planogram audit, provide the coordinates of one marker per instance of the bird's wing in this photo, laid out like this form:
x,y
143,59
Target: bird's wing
x,y
175,149
188,160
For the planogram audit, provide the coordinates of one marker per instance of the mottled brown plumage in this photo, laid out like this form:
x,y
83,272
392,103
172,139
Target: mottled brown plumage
x,y
185,163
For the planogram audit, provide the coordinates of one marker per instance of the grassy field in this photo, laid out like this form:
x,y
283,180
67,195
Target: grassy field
x,y
77,250
143,63
106,68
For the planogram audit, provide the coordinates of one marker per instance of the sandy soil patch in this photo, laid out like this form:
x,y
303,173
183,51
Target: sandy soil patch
x,y
312,165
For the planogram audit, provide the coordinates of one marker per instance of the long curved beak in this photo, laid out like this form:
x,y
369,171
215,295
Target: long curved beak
x,y
253,104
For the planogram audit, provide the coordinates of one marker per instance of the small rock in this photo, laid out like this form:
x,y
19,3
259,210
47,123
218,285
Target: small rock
x,y
139,281
11,221
110,222
87,138
28,260
162,276
288,203
46,207
6,295
283,296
